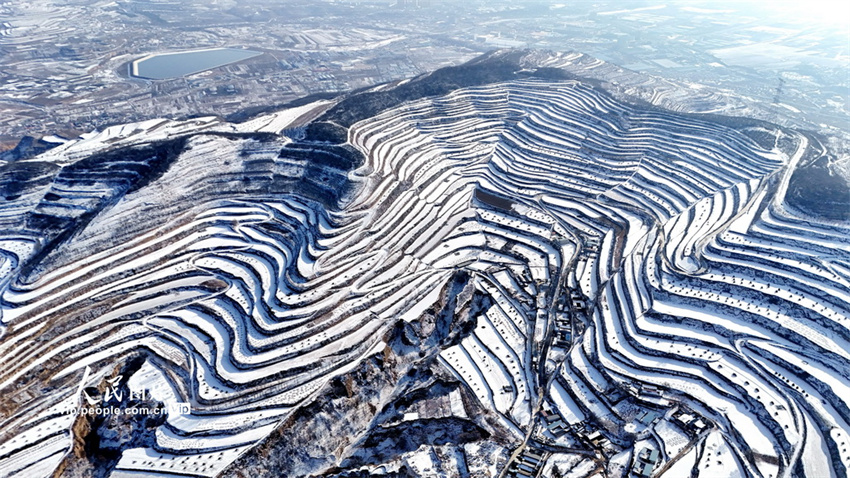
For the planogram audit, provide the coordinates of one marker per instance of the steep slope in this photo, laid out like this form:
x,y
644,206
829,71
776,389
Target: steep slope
x,y
505,274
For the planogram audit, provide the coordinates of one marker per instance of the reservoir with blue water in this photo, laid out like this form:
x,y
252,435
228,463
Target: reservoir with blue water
x,y
173,65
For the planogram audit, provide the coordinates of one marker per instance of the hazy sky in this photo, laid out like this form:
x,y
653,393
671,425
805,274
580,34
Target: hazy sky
x,y
831,12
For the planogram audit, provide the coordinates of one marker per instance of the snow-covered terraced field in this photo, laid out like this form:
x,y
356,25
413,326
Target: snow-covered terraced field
x,y
698,289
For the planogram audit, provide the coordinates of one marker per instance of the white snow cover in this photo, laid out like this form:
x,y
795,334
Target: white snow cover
x,y
697,287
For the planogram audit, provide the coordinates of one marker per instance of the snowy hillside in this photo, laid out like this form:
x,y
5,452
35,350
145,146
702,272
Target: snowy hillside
x,y
525,275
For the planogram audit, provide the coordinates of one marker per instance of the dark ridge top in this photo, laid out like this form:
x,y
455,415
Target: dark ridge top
x,y
123,170
821,189
493,67
27,147
343,157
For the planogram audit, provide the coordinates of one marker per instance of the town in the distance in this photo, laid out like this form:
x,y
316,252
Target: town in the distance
x,y
66,67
